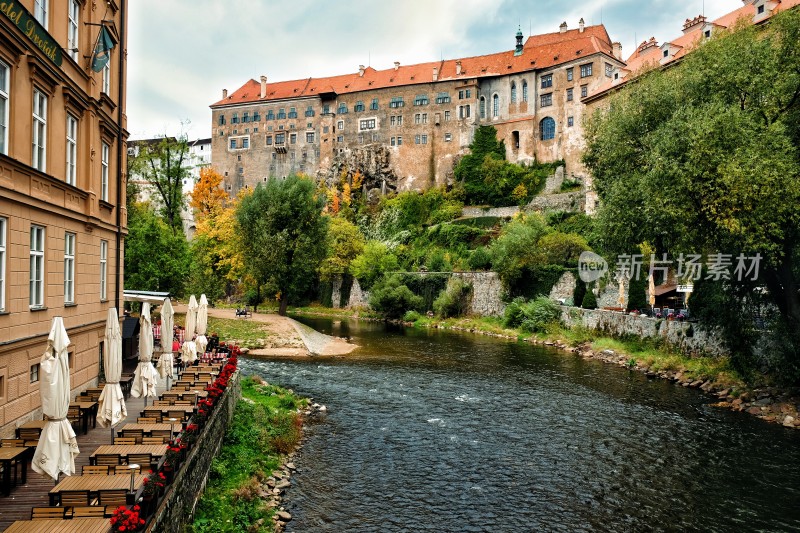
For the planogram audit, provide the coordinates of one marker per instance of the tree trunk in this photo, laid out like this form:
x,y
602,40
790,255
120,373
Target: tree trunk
x,y
284,305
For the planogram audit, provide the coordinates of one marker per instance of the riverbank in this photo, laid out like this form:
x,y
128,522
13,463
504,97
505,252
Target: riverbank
x,y
254,466
712,375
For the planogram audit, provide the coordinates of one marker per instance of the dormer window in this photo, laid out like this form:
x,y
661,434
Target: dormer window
x,y
666,53
707,34
760,9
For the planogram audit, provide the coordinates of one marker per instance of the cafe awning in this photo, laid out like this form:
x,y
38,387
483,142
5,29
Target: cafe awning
x,y
151,297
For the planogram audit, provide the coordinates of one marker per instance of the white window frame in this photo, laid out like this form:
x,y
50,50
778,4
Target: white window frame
x,y
3,226
495,105
36,287
69,268
40,11
107,76
104,153
39,141
73,24
103,270
72,150
5,75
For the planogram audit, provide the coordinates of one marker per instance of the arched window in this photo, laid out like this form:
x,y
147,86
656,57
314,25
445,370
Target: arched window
x,y
548,128
524,91
513,92
483,107
495,106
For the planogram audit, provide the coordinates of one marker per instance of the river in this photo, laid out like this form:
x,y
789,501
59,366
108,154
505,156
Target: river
x,y
438,431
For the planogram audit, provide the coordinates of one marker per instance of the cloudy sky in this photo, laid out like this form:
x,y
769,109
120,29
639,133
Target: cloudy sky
x,y
182,53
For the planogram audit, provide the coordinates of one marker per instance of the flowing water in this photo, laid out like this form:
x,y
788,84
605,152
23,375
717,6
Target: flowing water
x,y
435,431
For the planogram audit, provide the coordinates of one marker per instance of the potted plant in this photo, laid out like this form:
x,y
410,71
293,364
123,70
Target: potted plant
x,y
172,457
127,520
153,485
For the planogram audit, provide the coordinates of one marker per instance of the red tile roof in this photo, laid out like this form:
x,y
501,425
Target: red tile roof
x,y
540,52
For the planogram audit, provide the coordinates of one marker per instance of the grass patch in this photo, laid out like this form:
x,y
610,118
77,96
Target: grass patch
x,y
244,332
318,310
265,425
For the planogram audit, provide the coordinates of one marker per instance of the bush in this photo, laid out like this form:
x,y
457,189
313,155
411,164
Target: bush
x,y
532,316
392,300
437,262
579,292
513,315
454,300
372,263
252,298
636,293
411,316
589,299
480,259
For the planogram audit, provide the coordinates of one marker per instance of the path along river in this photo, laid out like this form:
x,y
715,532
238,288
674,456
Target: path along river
x,y
436,431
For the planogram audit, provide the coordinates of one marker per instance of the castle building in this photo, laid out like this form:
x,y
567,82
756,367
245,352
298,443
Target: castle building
x,y
404,127
62,190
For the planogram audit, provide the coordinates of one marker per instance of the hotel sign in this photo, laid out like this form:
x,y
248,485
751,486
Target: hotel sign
x,y
28,25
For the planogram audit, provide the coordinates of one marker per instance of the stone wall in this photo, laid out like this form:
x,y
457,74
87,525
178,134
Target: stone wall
x,y
486,292
568,201
564,288
177,507
553,183
358,297
502,212
684,336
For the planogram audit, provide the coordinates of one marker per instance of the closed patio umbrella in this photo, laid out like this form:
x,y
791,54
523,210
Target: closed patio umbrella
x,y
57,447
651,290
189,351
111,405
166,362
191,318
202,323
145,377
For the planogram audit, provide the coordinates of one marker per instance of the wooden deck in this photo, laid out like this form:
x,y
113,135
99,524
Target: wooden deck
x,y
17,506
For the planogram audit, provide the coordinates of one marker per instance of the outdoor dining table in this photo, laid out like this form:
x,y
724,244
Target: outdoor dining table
x,y
87,410
76,525
165,409
9,456
32,424
94,484
156,450
147,429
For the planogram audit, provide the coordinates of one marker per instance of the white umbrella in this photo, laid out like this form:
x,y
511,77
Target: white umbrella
x,y
166,362
145,377
202,315
57,448
111,405
191,318
189,351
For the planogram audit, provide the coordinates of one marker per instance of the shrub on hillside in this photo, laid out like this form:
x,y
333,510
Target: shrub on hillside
x,y
454,300
480,259
392,299
589,299
531,316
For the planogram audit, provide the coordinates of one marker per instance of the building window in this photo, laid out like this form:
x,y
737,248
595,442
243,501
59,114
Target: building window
x,y
374,105
342,109
310,137
399,140
513,93
464,111
524,91
326,109
548,128
256,118
39,130
233,144
609,69
547,81
421,99
586,70
309,111
5,73
40,11
72,29
495,106
292,112
584,91
448,137
340,125
340,139
280,139
367,124
104,150
281,113
570,122
447,115
424,139
106,87
235,118
103,270
569,94
546,100
666,53
375,137
482,106
359,106
221,120
69,268
246,117
760,9
269,140
464,93
246,142
392,141
270,115
397,101
292,138
72,148
569,74
418,118
34,374
443,98
37,267
3,224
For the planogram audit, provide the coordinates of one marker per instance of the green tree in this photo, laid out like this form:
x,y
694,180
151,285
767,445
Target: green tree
x,y
156,258
707,152
469,168
344,244
372,263
164,165
516,250
283,226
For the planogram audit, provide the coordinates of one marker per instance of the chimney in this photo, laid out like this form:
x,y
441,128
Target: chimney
x,y
224,93
580,25
263,86
616,48
691,24
435,74
396,65
563,27
361,70
458,67
647,46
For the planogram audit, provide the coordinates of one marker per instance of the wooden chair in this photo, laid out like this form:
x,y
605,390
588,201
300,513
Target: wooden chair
x,y
163,433
144,460
146,420
110,459
161,403
111,499
12,443
178,415
74,415
125,441
155,440
31,443
184,403
48,513
91,511
136,434
29,433
152,413
124,469
74,498
170,396
94,470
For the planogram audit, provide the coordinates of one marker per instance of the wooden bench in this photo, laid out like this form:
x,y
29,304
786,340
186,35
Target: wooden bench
x,y
245,312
